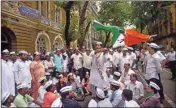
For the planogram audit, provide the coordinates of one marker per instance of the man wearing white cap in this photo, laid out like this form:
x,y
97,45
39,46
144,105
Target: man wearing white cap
x,y
123,59
67,95
152,101
117,77
41,90
49,96
153,69
7,100
103,101
8,82
97,69
127,72
22,70
23,99
115,97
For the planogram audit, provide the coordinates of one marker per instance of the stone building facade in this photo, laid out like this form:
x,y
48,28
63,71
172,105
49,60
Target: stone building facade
x,y
31,25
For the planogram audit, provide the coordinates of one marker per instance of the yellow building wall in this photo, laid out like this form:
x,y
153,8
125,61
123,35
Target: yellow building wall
x,y
52,11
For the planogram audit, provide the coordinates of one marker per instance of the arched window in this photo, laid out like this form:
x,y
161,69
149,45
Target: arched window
x,y
58,43
41,44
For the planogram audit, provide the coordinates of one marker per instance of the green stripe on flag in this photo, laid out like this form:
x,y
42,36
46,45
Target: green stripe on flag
x,y
115,30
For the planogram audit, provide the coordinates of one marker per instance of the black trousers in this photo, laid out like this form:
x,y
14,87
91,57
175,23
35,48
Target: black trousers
x,y
172,66
158,82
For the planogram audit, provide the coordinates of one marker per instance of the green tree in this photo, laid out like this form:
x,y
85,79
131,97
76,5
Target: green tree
x,y
144,13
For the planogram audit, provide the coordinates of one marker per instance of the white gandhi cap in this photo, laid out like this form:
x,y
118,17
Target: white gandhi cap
x,y
117,73
5,96
115,83
47,84
5,51
23,85
23,52
154,85
66,89
100,93
92,103
13,52
154,45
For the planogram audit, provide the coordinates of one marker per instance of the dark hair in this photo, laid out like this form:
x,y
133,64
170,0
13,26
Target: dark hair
x,y
69,78
155,49
65,94
155,91
49,88
134,75
116,87
128,94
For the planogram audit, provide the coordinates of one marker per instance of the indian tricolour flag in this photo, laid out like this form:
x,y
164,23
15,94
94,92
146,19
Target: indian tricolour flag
x,y
122,37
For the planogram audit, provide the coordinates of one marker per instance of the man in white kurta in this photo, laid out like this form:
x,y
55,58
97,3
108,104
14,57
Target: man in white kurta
x,y
7,71
123,59
97,70
116,57
5,87
133,57
77,63
21,70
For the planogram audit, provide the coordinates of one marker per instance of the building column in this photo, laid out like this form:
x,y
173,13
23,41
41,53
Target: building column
x,y
39,5
49,10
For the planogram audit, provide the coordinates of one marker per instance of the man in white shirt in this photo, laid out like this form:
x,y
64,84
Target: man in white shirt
x,y
127,72
87,61
123,59
115,97
22,70
133,57
116,58
172,62
41,89
136,87
8,81
103,101
153,69
109,60
127,96
77,62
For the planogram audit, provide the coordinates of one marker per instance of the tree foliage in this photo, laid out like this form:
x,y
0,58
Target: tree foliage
x,y
114,12
146,12
77,22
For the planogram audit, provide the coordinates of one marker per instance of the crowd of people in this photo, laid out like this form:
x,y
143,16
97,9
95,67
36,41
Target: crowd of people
x,y
62,78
